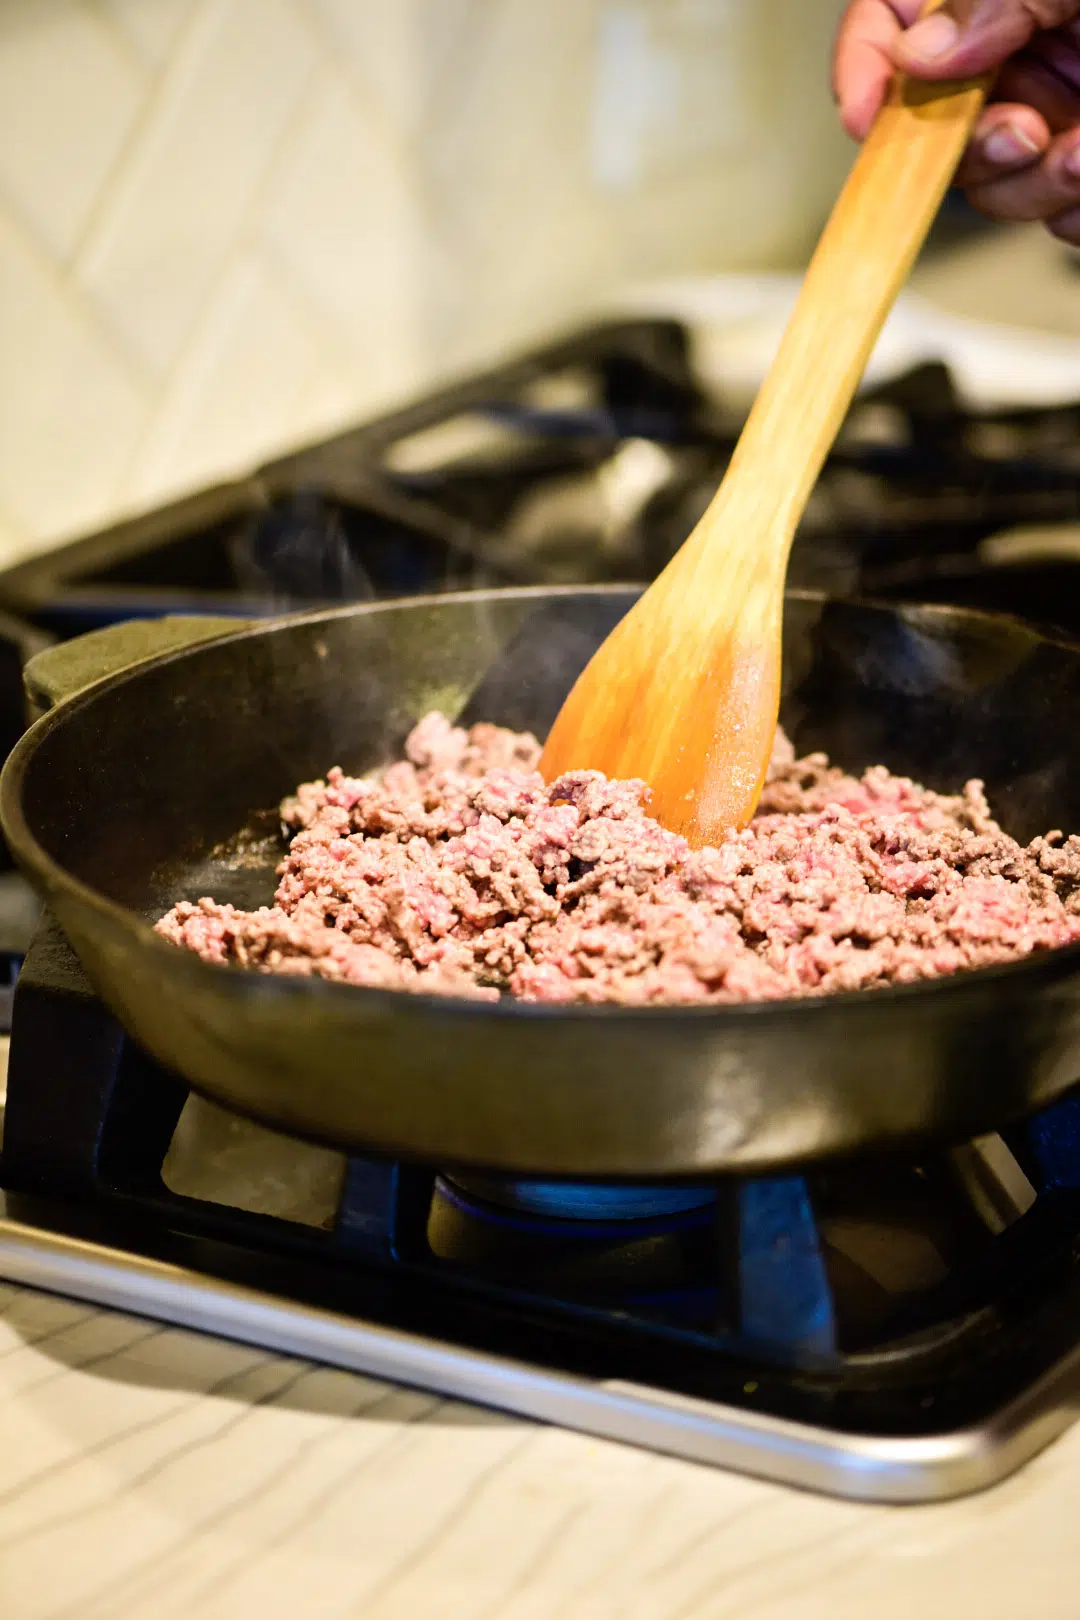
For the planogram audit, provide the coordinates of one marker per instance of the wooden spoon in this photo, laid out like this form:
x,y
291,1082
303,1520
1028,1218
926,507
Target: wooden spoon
x,y
685,692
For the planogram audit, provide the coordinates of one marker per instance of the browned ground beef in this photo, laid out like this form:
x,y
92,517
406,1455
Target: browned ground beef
x,y
458,871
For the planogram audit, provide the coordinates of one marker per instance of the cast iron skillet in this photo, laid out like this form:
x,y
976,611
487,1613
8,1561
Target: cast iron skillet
x,y
123,799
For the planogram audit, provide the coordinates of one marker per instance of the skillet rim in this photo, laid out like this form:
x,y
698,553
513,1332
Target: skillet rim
x,y
50,876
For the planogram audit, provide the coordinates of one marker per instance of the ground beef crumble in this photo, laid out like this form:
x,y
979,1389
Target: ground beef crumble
x,y
458,871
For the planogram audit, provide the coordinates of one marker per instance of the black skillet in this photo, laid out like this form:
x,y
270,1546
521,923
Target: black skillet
x,y
125,797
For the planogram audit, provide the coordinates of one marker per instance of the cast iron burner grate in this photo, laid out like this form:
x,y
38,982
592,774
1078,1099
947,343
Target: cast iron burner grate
x,y
588,461
899,1330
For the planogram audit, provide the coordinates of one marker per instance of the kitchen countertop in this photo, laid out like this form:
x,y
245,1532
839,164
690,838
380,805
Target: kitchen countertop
x,y
147,1471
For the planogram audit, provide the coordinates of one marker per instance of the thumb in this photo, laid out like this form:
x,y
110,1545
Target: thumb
x,y
967,37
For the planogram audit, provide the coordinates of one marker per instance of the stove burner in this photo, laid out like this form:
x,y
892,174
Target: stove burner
x,y
588,1202
648,1251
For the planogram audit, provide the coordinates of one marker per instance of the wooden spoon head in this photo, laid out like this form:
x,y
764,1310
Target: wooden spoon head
x,y
689,708
685,693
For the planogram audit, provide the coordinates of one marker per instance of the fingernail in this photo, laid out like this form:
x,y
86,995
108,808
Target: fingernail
x,y
1008,144
1071,161
931,38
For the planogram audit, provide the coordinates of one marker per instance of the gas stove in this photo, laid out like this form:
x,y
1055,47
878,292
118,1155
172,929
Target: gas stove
x,y
900,1330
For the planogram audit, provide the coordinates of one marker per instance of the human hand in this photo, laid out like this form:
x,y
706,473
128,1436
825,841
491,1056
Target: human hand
x,y
1023,162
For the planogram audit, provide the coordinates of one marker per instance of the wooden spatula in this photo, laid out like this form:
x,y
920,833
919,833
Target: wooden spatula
x,y
685,692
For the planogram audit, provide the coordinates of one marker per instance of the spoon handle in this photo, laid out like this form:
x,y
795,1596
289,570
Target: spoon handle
x,y
872,238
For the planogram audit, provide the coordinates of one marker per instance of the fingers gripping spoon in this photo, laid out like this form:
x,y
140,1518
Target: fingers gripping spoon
x,y
685,691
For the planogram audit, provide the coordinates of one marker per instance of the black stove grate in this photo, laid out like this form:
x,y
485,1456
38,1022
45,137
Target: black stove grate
x,y
587,461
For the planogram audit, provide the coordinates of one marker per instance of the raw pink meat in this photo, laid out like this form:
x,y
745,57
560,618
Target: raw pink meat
x,y
458,872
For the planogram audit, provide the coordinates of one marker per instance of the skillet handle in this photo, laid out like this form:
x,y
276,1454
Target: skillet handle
x,y
62,671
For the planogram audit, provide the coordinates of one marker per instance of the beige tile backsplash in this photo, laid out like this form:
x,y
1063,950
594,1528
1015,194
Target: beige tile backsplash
x,y
227,226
